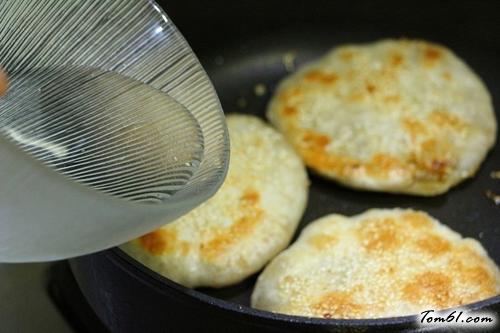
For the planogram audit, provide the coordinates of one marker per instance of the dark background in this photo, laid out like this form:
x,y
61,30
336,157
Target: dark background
x,y
208,25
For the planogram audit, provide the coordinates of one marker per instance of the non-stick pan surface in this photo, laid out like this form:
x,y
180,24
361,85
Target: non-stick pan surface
x,y
248,44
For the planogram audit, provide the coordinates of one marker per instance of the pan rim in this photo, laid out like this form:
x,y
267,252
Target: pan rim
x,y
159,282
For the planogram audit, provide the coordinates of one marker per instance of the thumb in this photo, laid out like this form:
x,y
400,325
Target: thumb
x,y
4,82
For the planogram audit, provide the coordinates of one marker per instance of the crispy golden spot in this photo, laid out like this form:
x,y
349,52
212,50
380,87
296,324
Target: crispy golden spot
x,y
163,241
382,164
315,140
392,98
250,197
417,219
429,145
434,171
439,167
432,288
252,215
154,242
443,118
337,304
447,75
286,94
434,162
312,149
384,161
289,110
321,77
414,127
322,242
317,158
397,59
427,166
379,235
219,244
371,88
433,245
432,56
432,53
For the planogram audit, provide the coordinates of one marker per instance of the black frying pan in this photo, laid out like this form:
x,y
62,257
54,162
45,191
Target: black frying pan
x,y
242,44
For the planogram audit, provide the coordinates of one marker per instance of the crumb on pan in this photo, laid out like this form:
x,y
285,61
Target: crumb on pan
x,y
288,61
493,196
495,174
260,89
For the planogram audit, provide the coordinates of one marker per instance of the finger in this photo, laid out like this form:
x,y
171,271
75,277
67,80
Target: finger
x,y
4,82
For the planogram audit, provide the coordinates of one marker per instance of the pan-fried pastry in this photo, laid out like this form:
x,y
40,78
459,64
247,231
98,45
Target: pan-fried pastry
x,y
381,263
395,115
249,220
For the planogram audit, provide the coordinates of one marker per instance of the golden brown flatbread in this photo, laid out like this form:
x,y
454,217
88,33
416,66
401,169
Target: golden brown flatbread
x,y
248,221
394,115
382,263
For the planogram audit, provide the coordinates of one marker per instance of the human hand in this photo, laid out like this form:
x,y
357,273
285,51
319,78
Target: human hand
x,y
4,82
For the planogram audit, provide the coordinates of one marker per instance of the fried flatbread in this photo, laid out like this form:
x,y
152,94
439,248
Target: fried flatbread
x,y
249,220
398,116
382,263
